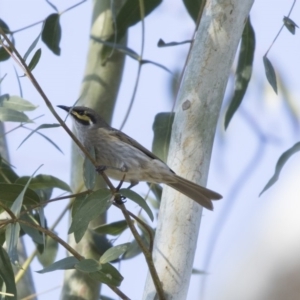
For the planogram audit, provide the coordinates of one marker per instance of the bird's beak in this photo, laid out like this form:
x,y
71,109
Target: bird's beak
x,y
66,108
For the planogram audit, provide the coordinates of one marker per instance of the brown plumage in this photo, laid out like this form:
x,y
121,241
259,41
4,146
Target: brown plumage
x,y
119,154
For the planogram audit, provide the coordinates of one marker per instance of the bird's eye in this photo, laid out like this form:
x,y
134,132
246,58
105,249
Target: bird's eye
x,y
81,112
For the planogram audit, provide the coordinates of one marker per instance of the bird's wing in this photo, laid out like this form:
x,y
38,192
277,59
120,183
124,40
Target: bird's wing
x,y
127,139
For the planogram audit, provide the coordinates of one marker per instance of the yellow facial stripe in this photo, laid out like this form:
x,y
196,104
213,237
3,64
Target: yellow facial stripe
x,y
81,117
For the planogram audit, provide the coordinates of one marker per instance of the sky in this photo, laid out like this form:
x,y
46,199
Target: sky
x,y
247,226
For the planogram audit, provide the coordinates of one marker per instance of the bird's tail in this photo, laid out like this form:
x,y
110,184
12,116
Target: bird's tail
x,y
198,193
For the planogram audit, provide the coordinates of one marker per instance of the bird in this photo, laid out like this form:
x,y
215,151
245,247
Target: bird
x,y
123,158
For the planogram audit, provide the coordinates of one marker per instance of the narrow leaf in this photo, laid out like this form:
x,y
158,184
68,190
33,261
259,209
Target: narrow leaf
x,y
63,264
95,204
108,275
162,128
88,266
10,115
114,253
16,206
12,236
51,33
32,46
115,228
36,236
4,55
4,26
139,200
9,192
42,135
285,156
290,25
193,8
47,257
43,181
18,103
243,72
7,275
270,73
35,59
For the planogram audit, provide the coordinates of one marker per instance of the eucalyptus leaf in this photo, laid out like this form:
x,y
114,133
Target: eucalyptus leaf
x,y
36,236
139,200
9,192
11,237
88,266
270,73
51,33
290,25
115,228
162,128
243,72
63,264
10,115
43,126
7,275
285,156
193,8
32,46
35,59
49,253
113,253
108,275
94,205
18,103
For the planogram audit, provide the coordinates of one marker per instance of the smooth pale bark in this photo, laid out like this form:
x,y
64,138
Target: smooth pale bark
x,y
99,91
198,105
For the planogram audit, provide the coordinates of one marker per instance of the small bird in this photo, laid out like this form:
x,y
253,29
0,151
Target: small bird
x,y
118,154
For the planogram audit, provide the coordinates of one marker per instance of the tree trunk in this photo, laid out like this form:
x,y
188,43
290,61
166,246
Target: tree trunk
x,y
198,105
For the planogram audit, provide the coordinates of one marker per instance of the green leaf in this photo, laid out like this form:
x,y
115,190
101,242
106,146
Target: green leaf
x,y
43,181
63,264
89,172
95,204
137,199
108,275
113,253
285,156
88,266
290,25
10,115
193,8
47,257
133,250
17,103
128,16
4,55
270,73
7,275
51,33
35,59
9,192
7,174
43,126
162,128
11,237
36,235
115,228
4,26
243,72
32,46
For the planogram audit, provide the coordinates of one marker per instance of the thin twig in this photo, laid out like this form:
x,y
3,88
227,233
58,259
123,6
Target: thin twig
x,y
146,252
